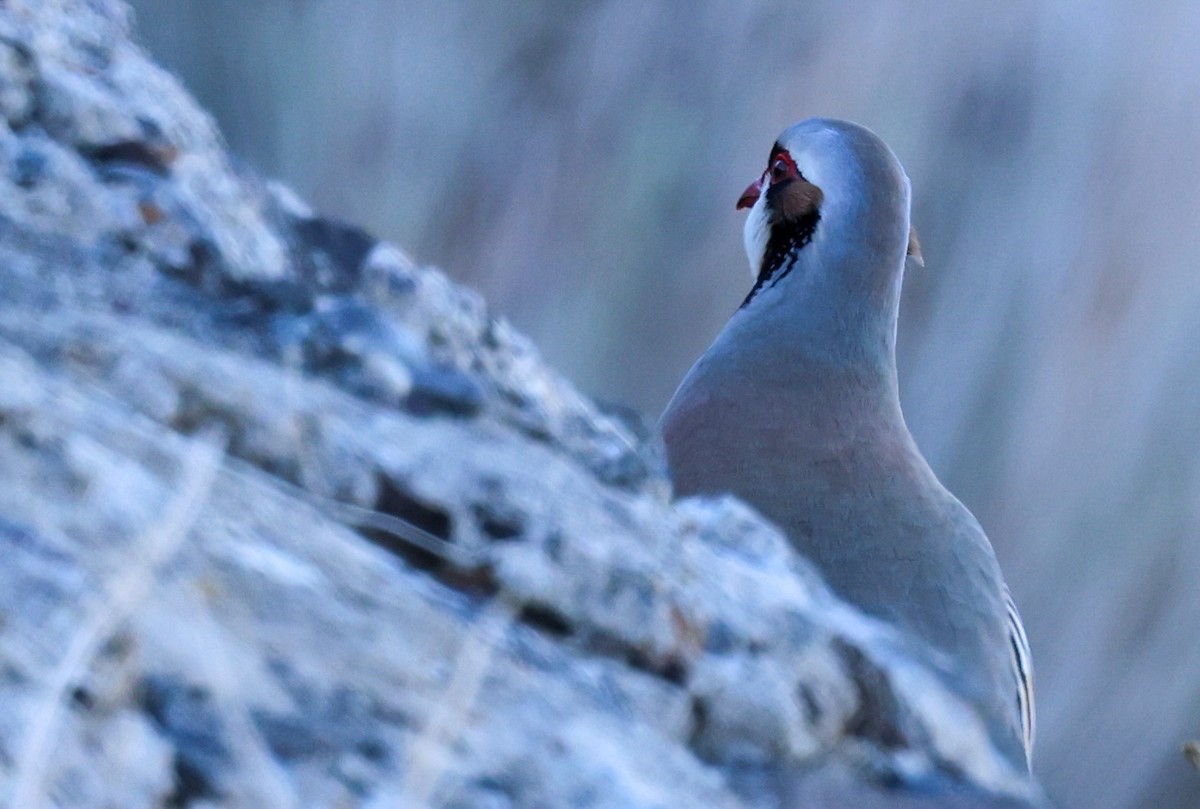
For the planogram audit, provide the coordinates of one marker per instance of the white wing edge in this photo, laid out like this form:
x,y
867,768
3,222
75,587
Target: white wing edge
x,y
1023,671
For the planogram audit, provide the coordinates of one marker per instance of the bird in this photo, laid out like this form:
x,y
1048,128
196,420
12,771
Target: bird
x,y
795,409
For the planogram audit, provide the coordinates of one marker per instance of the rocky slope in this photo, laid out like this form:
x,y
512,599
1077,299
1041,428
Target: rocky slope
x,y
291,521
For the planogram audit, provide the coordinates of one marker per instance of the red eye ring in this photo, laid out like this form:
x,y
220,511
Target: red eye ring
x,y
782,167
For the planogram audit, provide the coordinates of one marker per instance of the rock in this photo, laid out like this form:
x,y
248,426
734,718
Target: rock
x,y
289,520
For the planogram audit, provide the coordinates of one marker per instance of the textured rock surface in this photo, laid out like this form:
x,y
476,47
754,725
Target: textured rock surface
x,y
290,521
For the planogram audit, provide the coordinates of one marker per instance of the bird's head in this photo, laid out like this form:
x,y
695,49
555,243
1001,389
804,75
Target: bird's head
x,y
832,199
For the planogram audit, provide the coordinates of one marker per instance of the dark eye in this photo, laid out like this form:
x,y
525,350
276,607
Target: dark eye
x,y
781,169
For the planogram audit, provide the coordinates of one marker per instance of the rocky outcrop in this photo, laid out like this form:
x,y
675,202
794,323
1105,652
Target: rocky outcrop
x,y
291,521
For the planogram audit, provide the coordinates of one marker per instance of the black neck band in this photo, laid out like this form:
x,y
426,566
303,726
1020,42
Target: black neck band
x,y
783,248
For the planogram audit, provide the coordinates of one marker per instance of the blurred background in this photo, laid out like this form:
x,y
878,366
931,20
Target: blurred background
x,y
578,163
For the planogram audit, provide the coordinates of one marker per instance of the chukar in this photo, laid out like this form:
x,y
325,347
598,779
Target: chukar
x,y
795,409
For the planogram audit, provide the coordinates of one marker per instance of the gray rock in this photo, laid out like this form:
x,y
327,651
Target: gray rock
x,y
288,520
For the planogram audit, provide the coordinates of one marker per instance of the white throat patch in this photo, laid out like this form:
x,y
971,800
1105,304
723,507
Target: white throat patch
x,y
756,232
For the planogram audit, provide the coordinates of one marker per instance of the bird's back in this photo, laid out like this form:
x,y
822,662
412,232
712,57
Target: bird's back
x,y
856,498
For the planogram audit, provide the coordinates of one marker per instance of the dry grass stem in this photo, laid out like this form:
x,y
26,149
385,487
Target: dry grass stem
x,y
152,550
429,754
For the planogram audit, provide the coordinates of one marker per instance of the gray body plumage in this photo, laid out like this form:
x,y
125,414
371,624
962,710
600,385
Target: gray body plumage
x,y
795,409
